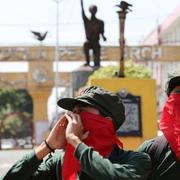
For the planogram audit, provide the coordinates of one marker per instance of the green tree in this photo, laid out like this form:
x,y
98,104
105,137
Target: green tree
x,y
15,113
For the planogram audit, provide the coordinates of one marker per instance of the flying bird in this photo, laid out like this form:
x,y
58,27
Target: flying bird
x,y
39,36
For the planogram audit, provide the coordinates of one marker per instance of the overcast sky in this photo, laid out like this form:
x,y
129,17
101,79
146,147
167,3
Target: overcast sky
x,y
18,17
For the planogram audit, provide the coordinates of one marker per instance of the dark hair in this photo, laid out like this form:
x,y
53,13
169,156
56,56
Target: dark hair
x,y
172,84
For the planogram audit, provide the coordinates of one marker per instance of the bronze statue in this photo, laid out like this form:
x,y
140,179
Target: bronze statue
x,y
93,28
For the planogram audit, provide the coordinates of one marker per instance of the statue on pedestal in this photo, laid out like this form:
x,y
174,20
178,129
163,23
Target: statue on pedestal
x,y
93,29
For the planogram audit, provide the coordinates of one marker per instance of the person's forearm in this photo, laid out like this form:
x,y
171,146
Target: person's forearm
x,y
41,151
82,8
103,36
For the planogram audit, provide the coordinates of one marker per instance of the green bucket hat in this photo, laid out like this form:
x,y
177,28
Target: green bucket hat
x,y
105,101
173,81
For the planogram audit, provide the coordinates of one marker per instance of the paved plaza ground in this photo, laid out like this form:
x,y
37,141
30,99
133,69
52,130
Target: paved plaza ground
x,y
8,157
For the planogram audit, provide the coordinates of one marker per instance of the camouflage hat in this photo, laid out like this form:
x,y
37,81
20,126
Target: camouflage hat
x,y
173,81
106,102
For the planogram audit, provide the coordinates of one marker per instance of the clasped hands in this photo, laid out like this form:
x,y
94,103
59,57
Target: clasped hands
x,y
68,129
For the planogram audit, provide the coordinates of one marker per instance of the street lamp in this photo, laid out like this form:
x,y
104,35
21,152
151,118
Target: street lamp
x,y
124,9
56,78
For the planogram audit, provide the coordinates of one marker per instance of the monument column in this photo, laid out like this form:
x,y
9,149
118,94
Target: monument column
x,y
40,86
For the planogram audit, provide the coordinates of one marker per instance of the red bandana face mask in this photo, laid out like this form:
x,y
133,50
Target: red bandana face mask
x,y
170,123
102,137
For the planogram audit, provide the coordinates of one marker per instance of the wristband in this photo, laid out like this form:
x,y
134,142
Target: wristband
x,y
50,148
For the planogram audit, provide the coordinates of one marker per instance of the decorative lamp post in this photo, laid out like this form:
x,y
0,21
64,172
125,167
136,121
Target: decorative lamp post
x,y
57,54
56,78
124,9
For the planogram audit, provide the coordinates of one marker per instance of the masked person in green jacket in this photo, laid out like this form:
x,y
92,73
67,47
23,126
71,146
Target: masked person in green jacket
x,y
165,150
90,148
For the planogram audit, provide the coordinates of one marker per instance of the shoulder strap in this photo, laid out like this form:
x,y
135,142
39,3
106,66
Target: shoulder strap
x,y
155,152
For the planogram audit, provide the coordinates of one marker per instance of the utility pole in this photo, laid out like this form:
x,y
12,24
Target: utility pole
x,y
124,9
56,77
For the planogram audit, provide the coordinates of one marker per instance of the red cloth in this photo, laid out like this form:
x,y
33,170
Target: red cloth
x,y
170,123
102,138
